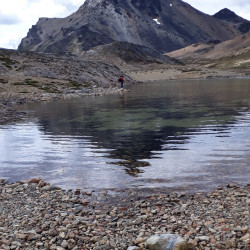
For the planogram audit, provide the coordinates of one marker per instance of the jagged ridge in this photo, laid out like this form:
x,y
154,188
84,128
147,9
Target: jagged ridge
x,y
163,25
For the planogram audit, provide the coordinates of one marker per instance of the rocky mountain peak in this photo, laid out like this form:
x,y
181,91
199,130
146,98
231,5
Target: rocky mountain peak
x,y
163,25
228,15
232,18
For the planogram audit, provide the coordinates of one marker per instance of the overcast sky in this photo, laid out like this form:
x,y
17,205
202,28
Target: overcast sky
x,y
17,16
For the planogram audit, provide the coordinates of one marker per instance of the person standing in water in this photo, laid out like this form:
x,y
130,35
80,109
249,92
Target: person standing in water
x,y
121,80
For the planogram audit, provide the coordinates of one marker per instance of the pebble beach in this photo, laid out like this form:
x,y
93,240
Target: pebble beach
x,y
37,215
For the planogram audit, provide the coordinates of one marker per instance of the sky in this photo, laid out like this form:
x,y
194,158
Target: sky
x,y
17,16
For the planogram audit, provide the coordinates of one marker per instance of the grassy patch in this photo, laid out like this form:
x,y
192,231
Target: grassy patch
x,y
86,85
7,62
244,56
74,84
234,62
31,82
18,83
51,90
78,85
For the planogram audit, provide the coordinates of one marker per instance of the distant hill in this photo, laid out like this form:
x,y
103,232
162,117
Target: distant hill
x,y
163,25
234,53
236,46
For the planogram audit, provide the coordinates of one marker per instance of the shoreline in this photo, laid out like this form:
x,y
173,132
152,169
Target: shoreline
x,y
187,72
36,215
10,99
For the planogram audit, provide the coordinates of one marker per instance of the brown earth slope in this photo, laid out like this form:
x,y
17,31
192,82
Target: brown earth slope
x,y
233,54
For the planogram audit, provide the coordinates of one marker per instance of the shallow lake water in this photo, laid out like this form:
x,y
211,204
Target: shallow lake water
x,y
183,135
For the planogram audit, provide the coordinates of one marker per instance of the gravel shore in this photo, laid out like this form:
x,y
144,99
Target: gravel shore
x,y
36,215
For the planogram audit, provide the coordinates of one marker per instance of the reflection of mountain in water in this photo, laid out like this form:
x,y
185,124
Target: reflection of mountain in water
x,y
136,125
128,148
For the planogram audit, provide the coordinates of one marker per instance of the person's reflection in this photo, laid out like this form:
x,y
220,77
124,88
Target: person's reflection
x,y
122,98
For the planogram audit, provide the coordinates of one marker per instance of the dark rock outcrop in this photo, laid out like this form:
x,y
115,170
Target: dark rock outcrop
x,y
118,53
228,15
162,25
236,21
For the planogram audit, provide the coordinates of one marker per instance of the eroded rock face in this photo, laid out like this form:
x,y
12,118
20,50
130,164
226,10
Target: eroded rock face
x,y
163,25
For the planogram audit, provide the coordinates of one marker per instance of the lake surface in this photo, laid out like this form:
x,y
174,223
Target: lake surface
x,y
183,135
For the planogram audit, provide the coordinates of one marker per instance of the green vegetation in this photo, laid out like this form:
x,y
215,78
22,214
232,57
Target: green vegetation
x,y
18,83
74,84
78,85
53,86
7,62
32,83
49,88
243,61
86,85
235,61
29,82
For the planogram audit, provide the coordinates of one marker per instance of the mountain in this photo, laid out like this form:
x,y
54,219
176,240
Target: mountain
x,y
236,21
163,25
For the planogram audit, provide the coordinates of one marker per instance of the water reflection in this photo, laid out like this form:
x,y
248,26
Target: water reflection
x,y
165,135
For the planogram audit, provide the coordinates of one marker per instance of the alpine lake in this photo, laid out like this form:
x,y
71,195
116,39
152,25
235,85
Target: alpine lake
x,y
174,135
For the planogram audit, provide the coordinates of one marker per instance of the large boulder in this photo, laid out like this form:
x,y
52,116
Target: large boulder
x,y
167,242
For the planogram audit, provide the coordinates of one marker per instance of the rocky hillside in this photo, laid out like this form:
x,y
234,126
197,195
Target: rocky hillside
x,y
37,76
127,55
163,25
236,21
33,73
